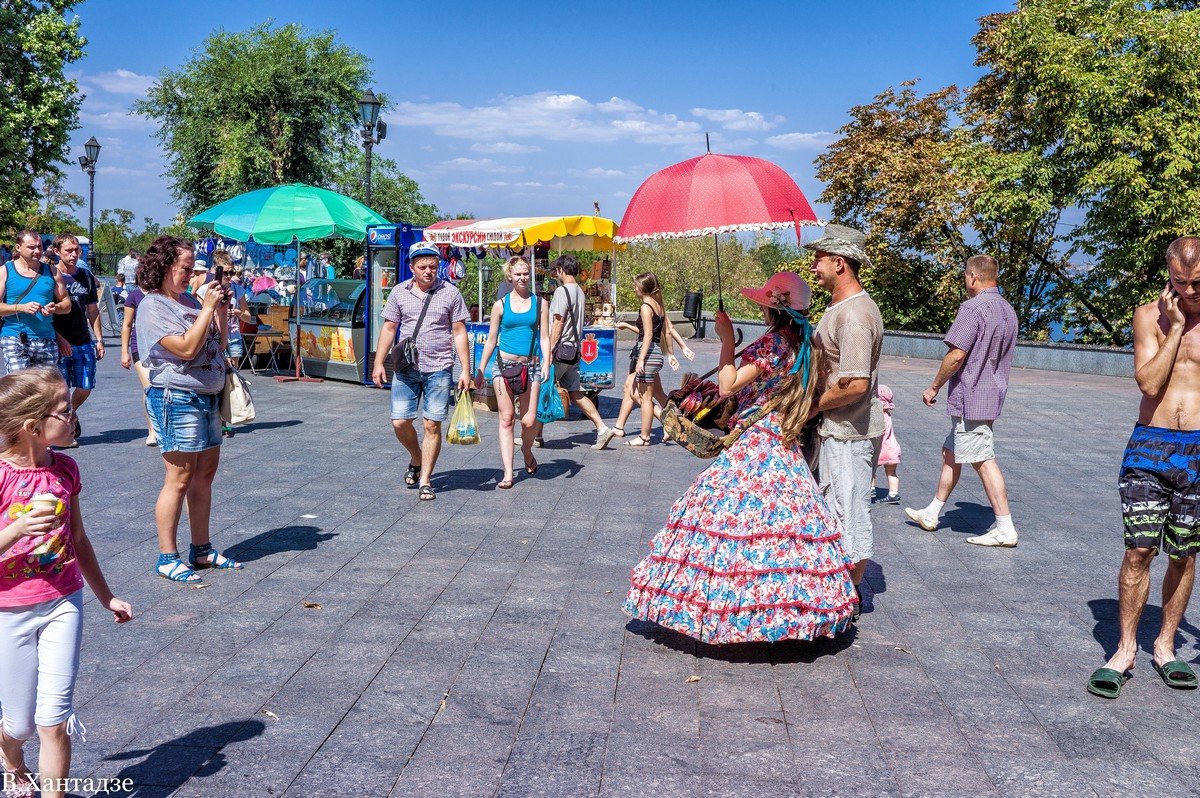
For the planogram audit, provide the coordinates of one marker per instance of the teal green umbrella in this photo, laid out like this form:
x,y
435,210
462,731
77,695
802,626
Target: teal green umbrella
x,y
282,214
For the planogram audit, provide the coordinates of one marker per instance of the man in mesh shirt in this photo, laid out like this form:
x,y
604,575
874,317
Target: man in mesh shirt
x,y
850,335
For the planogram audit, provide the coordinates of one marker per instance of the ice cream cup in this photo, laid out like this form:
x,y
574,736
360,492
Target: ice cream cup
x,y
46,500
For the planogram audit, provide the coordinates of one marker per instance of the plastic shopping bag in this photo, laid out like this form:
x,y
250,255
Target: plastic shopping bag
x,y
463,429
549,406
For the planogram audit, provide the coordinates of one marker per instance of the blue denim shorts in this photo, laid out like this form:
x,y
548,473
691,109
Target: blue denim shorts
x,y
236,348
79,367
184,421
430,390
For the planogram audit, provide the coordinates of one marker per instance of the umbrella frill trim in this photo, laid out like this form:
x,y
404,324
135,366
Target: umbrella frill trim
x,y
708,231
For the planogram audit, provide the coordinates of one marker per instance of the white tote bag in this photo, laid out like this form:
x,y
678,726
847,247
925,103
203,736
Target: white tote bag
x,y
237,405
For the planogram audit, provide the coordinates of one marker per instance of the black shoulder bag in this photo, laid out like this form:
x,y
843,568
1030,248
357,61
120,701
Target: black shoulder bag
x,y
404,352
517,374
565,352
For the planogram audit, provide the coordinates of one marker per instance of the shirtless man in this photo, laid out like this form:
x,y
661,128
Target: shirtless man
x,y
1160,473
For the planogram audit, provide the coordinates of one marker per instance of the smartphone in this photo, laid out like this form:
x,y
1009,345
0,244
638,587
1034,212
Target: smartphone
x,y
219,273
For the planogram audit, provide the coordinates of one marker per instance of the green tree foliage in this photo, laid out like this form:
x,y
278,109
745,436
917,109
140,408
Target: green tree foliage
x,y
41,105
1085,107
253,109
57,212
114,231
690,265
1105,95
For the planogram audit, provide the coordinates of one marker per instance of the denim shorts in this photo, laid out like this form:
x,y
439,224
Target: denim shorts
x,y
79,367
184,421
236,348
430,390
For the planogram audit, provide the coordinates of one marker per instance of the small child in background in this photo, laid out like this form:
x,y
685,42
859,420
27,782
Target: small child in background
x,y
889,451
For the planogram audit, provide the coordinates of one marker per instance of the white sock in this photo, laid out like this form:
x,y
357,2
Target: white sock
x,y
934,508
1004,524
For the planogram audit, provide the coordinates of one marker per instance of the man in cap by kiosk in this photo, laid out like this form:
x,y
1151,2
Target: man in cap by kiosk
x,y
425,387
850,334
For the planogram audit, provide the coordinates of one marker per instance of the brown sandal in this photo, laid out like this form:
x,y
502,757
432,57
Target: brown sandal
x,y
531,466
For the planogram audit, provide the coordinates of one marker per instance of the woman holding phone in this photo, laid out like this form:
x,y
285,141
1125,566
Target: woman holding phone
x,y
182,343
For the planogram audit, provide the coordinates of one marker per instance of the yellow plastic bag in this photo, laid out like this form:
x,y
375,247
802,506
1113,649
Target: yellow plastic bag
x,y
463,428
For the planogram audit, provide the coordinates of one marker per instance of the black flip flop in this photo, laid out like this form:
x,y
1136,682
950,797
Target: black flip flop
x,y
1107,682
412,475
1177,674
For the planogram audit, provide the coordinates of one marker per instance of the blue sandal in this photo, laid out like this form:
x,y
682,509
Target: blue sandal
x,y
172,568
215,558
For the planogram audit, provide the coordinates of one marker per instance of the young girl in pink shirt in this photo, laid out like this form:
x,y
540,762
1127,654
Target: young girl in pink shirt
x,y
45,557
889,450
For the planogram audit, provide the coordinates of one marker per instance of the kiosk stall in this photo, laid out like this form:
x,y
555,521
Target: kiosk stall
x,y
525,234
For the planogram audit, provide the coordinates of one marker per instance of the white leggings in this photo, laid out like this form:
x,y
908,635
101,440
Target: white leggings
x,y
39,660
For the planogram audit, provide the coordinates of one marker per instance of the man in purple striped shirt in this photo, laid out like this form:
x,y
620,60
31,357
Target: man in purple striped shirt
x,y
981,343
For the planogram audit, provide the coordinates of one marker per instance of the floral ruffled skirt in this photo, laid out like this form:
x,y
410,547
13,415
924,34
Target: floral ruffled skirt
x,y
750,552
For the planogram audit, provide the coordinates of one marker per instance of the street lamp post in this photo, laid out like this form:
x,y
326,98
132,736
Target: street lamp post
x,y
374,130
88,162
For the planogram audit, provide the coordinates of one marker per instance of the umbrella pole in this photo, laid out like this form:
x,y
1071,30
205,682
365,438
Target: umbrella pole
x,y
720,296
296,358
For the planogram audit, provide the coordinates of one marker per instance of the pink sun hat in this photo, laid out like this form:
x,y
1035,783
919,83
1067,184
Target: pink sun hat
x,y
784,289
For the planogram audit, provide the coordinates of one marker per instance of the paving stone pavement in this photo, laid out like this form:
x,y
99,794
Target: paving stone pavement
x,y
475,645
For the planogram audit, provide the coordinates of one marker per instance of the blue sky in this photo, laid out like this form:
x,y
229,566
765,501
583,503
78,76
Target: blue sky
x,y
540,108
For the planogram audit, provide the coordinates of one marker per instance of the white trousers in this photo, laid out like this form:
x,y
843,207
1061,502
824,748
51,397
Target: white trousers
x,y
39,660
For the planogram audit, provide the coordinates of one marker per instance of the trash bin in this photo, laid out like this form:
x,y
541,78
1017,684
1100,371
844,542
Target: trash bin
x,y
693,304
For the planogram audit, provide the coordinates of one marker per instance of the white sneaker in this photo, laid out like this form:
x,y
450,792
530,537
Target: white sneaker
x,y
603,437
927,522
995,538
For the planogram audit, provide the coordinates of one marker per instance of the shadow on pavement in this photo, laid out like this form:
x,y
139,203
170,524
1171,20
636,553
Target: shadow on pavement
x,y
173,763
1107,631
783,652
966,518
284,538
291,422
114,436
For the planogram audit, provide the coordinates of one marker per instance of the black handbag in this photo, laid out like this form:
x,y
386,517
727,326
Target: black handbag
x,y
403,354
516,374
565,352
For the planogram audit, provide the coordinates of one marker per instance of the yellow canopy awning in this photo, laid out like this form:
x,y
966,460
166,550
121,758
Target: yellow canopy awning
x,y
590,233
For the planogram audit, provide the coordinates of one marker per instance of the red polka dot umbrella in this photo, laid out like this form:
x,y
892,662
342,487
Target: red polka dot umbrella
x,y
714,194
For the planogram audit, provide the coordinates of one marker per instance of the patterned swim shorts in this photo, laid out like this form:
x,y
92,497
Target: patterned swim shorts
x,y
1160,490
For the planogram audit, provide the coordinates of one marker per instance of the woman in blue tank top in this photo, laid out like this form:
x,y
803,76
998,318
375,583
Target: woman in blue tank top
x,y
518,334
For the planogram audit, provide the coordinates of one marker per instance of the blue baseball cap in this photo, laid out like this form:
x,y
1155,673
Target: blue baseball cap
x,y
423,248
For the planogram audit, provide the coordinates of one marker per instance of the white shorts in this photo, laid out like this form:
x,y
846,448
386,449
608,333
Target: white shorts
x,y
970,441
39,649
846,468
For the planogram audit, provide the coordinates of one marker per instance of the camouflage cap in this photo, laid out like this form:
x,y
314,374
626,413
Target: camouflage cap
x,y
844,241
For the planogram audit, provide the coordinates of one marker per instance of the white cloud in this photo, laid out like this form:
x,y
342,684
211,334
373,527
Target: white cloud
x,y
803,141
121,81
548,116
475,165
114,120
463,187
119,170
597,171
504,147
737,119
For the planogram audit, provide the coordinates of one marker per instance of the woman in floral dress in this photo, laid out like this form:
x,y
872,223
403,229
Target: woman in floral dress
x,y
751,553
